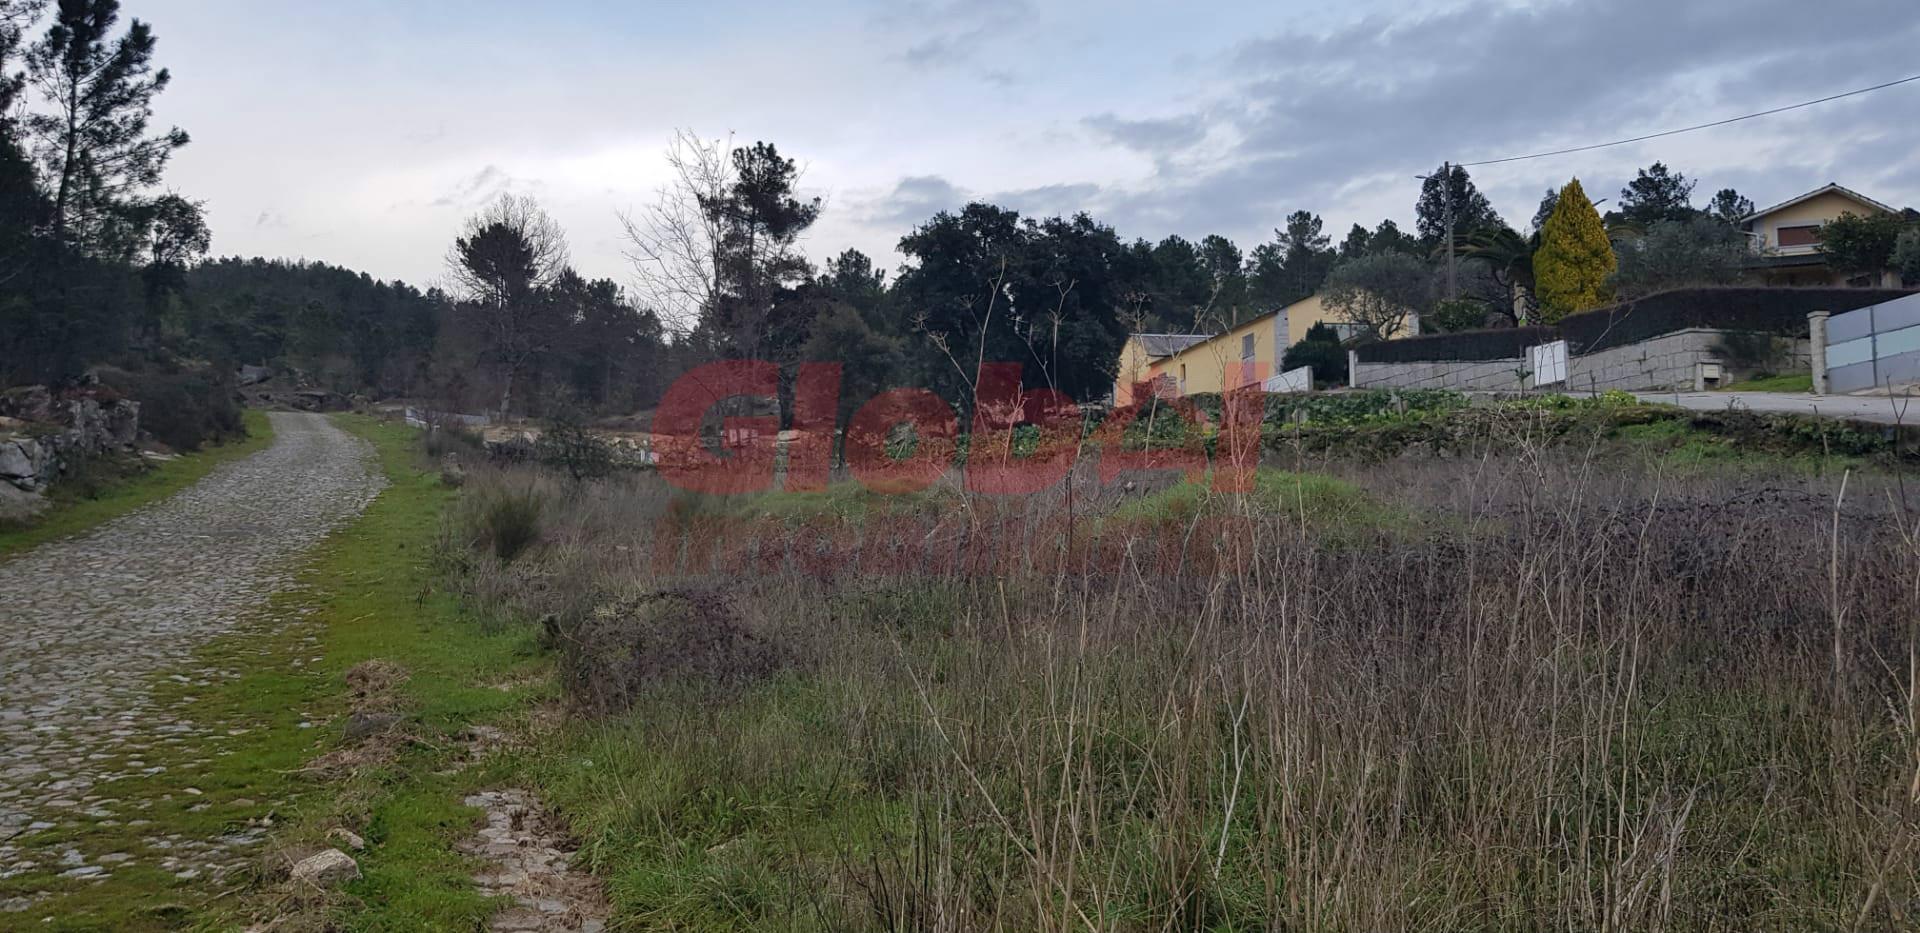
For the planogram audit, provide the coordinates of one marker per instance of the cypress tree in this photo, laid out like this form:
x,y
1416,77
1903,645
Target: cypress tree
x,y
1575,258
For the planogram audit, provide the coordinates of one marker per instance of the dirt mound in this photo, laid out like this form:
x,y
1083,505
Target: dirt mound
x,y
373,683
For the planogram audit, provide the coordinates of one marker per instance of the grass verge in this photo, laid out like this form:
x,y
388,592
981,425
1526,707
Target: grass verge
x,y
1785,382
70,516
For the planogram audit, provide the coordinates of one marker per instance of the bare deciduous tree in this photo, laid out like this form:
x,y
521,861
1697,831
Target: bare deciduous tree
x,y
678,241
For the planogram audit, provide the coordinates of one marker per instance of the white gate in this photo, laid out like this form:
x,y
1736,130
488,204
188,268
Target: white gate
x,y
1293,380
1549,363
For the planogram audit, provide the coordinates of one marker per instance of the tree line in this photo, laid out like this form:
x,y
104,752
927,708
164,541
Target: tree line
x,y
100,264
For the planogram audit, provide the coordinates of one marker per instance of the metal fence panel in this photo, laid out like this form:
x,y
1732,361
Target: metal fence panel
x,y
1875,347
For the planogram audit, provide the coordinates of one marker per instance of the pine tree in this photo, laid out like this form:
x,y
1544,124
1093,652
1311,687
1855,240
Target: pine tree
x,y
94,147
1575,258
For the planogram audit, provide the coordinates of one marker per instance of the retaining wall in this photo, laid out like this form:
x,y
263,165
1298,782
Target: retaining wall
x,y
1671,361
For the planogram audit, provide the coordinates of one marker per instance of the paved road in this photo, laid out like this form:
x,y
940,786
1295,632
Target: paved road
x,y
1880,409
86,624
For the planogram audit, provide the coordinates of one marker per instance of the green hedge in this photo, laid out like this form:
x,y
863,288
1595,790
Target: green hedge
x,y
1778,311
1364,407
1503,343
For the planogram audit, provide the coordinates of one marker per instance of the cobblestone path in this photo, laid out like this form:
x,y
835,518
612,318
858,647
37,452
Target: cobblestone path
x,y
88,622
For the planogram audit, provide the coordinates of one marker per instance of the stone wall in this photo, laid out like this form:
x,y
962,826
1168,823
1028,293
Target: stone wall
x,y
1667,362
41,434
1459,375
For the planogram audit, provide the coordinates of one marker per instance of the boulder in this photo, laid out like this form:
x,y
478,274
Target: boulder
x,y
121,421
252,375
16,463
65,430
27,403
19,505
327,869
27,463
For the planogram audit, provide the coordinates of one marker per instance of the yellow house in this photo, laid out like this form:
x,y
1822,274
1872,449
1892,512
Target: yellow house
x,y
1139,355
1246,353
1787,236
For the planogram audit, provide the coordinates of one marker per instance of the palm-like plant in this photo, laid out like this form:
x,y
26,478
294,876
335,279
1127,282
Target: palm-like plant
x,y
1505,253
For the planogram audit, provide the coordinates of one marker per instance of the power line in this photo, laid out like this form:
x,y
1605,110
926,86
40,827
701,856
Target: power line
x,y
1703,126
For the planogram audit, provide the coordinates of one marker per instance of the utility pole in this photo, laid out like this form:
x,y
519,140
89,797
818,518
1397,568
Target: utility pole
x,y
1446,191
1445,178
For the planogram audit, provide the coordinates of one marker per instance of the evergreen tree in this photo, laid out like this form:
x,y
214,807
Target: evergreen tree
x,y
1656,194
1181,288
1321,350
1729,207
1861,245
1228,270
1387,238
1356,243
1906,255
21,206
851,278
94,146
1471,209
758,312
1385,294
1547,203
1680,253
1293,266
1575,258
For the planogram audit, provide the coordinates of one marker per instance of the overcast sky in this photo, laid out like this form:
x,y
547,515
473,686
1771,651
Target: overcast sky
x,y
361,132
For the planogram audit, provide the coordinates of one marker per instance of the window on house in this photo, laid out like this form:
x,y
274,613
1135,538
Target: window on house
x,y
1246,347
1798,236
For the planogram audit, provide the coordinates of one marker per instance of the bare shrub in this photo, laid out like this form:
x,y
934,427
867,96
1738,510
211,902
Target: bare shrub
x,y
676,637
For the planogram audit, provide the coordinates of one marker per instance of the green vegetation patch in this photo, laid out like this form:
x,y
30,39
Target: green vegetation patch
x,y
1316,497
1786,382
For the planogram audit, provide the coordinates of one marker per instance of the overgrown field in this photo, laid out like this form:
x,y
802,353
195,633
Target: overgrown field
x,y
1597,683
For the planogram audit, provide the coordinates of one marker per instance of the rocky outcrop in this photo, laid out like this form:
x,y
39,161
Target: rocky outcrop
x,y
43,434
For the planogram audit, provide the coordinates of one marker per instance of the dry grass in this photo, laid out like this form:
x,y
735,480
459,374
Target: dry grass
x,y
1546,691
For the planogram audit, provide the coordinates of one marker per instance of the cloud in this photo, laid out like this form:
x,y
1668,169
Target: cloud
x,y
955,32
1341,119
1050,200
1154,136
913,200
483,186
